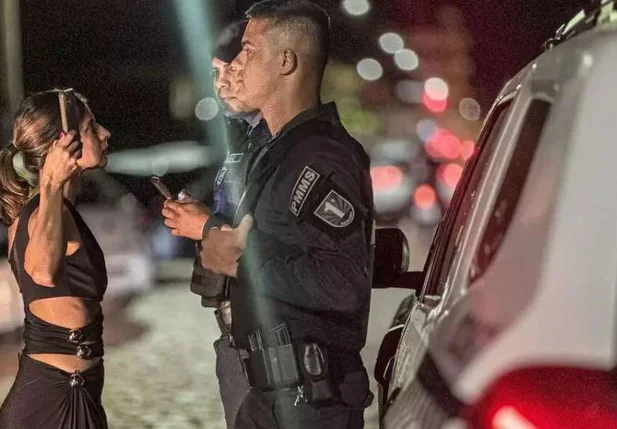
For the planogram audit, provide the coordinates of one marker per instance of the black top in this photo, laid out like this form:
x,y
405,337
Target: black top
x,y
82,274
307,261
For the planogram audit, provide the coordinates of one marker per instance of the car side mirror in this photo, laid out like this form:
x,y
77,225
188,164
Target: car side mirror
x,y
391,261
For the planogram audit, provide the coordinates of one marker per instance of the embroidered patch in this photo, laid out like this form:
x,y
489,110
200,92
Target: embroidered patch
x,y
302,189
220,176
234,158
335,210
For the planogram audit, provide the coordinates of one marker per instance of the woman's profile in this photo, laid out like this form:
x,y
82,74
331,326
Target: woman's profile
x,y
58,264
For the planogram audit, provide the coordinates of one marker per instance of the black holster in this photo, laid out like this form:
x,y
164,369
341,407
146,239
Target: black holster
x,y
280,363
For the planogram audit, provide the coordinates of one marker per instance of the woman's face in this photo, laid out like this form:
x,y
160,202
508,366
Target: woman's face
x,y
94,138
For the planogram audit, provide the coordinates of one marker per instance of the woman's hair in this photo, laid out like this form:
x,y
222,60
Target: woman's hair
x,y
35,127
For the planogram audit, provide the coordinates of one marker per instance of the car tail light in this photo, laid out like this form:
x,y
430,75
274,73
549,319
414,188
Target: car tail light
x,y
548,398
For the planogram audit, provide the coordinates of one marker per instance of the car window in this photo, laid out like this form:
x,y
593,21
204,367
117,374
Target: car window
x,y
448,239
511,188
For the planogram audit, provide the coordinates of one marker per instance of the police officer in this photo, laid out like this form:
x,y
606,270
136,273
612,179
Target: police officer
x,y
247,135
301,247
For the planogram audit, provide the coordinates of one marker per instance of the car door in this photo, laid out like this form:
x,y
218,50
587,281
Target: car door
x,y
412,345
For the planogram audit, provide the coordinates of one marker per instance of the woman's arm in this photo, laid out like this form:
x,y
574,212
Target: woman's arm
x,y
47,245
47,225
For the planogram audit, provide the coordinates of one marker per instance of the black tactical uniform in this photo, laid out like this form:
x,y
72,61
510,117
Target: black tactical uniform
x,y
246,145
307,266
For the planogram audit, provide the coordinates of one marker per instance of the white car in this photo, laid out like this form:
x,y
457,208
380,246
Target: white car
x,y
515,325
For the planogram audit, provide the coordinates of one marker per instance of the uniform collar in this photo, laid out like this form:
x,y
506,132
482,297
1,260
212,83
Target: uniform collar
x,y
326,111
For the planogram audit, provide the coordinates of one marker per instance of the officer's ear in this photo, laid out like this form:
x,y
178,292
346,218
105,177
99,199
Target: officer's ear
x,y
289,62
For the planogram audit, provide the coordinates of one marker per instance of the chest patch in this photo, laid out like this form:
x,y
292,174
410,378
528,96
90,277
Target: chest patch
x,y
220,176
234,158
302,189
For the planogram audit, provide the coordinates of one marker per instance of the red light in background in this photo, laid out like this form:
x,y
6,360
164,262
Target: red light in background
x,y
467,149
443,144
424,196
449,174
436,106
509,418
450,146
386,177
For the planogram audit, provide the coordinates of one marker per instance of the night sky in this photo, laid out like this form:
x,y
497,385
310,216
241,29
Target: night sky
x,y
122,54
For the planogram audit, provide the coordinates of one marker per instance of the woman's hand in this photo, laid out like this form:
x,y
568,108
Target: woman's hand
x,y
61,162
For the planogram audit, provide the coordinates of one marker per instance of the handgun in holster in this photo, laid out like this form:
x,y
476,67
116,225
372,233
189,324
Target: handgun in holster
x,y
279,364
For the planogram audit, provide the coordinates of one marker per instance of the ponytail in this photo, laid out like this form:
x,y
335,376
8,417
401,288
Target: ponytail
x,y
14,190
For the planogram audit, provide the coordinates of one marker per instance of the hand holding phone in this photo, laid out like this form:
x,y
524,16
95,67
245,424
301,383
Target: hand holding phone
x,y
160,186
69,114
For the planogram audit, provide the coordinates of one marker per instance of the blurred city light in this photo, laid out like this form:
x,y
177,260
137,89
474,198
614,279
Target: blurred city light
x,y
178,156
356,7
391,43
386,177
469,109
409,91
406,59
369,69
206,109
450,146
160,166
425,129
436,89
436,106
467,149
442,144
449,174
424,197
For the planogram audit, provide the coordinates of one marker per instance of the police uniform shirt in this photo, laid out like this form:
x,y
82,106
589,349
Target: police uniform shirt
x,y
306,258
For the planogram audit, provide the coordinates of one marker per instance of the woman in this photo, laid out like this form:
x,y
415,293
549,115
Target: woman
x,y
59,267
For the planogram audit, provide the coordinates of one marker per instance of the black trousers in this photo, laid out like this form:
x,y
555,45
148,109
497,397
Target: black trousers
x,y
233,385
279,410
46,397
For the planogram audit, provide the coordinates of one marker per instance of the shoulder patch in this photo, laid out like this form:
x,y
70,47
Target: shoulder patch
x,y
335,210
302,189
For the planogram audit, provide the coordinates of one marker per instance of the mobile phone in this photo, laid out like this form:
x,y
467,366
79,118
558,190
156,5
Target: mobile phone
x,y
69,112
160,186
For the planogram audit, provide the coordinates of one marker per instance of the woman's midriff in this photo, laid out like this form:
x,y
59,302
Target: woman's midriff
x,y
70,313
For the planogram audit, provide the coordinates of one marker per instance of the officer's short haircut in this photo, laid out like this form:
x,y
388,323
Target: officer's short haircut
x,y
302,17
229,43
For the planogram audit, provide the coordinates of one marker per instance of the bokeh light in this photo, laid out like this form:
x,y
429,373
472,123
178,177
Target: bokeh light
x,y
369,69
469,109
424,196
356,7
391,42
436,89
406,59
206,109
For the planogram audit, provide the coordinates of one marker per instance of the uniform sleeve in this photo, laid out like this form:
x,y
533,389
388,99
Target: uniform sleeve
x,y
318,259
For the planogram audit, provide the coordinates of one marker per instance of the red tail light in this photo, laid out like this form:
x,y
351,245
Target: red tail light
x,y
549,398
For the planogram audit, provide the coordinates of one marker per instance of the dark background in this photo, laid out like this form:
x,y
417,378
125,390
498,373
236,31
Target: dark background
x,y
122,55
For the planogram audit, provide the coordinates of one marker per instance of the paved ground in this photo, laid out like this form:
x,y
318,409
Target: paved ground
x,y
160,361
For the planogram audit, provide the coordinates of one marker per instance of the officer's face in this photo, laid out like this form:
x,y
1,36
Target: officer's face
x,y
226,87
256,64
